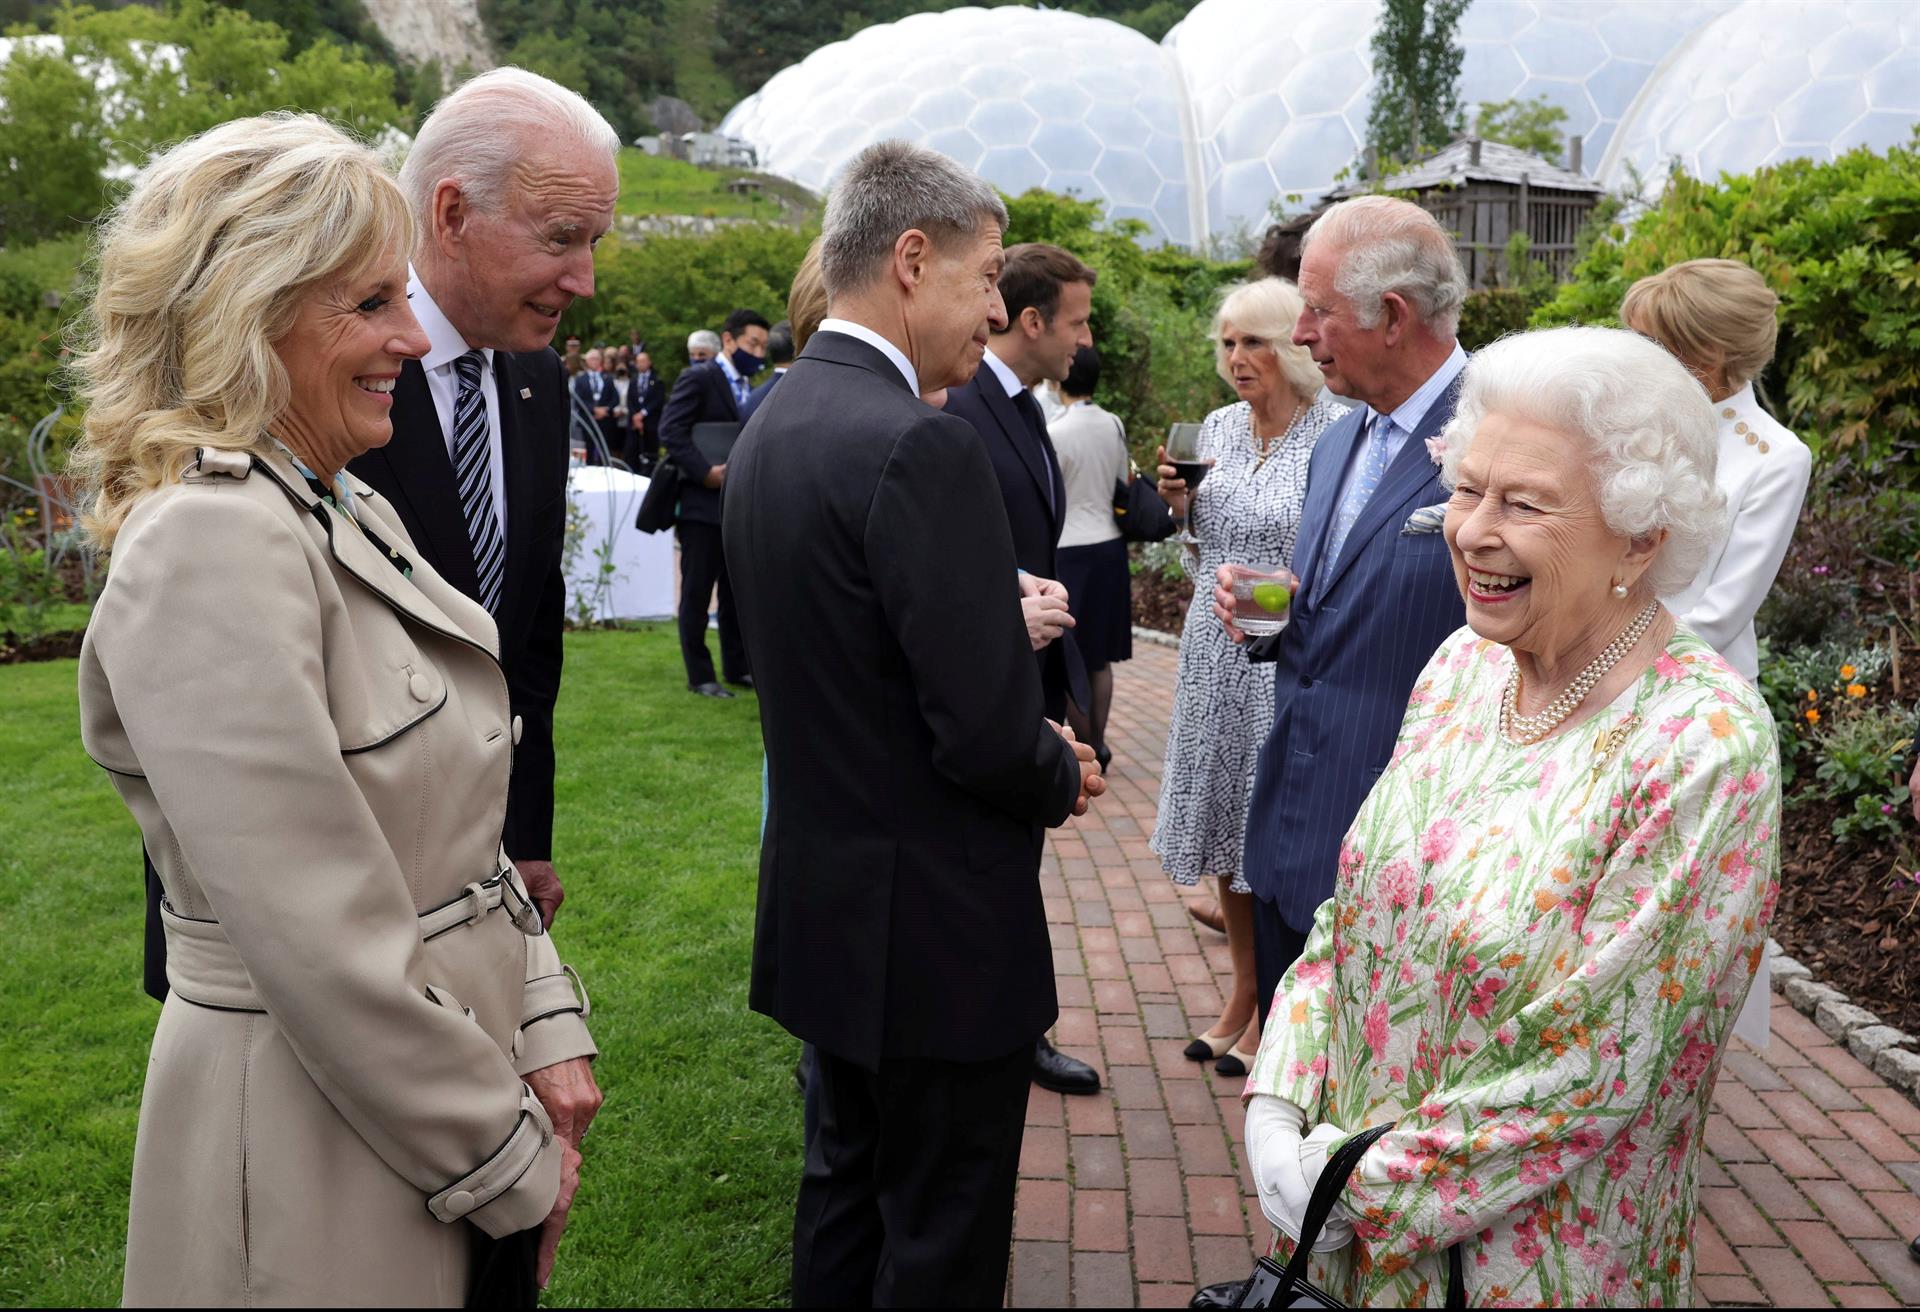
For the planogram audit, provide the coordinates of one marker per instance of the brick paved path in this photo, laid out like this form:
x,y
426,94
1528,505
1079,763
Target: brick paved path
x,y
1133,1197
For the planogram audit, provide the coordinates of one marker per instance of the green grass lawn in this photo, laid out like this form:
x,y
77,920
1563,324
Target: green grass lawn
x,y
651,184
687,1190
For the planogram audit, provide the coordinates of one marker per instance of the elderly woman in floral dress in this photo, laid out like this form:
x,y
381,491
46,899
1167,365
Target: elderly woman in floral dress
x,y
1550,907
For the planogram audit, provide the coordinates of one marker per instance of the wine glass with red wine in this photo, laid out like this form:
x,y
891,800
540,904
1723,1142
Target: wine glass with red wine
x,y
1183,453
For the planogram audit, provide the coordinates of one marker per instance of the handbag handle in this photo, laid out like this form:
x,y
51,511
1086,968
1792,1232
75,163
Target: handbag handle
x,y
1326,1192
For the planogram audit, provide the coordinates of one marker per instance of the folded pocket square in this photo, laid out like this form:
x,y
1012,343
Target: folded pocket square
x,y
1427,519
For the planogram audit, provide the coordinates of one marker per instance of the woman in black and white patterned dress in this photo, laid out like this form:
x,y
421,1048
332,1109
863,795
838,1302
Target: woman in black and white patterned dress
x,y
1246,510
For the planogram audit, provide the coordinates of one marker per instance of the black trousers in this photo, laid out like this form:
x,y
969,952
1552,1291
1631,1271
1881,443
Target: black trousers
x,y
703,564
1276,945
907,1196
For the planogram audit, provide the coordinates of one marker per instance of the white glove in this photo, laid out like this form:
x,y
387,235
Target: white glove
x,y
1286,1167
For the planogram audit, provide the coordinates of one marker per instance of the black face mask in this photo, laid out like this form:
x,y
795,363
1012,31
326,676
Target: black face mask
x,y
620,373
745,362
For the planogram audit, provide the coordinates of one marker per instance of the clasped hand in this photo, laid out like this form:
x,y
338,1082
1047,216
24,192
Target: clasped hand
x,y
1092,782
1286,1167
572,1099
1043,604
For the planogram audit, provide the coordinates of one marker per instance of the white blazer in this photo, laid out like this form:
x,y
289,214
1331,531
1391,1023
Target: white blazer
x,y
1763,469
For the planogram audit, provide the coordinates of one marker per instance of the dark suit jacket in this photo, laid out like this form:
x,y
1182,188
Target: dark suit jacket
x,y
910,773
599,391
415,473
1345,665
759,394
700,395
1034,518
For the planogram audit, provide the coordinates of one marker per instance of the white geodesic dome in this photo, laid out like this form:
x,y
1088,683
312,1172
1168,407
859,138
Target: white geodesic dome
x,y
1771,80
1250,101
1026,97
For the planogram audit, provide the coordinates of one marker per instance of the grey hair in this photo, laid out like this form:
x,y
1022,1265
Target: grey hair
x,y
888,189
703,339
476,135
1652,439
1392,245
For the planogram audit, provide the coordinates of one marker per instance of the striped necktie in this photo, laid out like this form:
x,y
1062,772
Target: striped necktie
x,y
1373,468
473,475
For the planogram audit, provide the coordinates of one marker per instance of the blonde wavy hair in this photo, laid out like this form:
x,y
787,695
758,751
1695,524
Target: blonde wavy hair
x,y
807,299
1267,308
1708,312
201,269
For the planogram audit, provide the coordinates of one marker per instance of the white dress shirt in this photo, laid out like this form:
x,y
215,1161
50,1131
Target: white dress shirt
x,y
1406,417
1763,469
1008,378
444,346
865,334
1092,447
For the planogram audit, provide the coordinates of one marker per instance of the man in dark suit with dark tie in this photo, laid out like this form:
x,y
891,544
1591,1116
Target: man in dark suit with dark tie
x,y
713,391
900,928
646,402
780,356
1377,594
1049,300
594,386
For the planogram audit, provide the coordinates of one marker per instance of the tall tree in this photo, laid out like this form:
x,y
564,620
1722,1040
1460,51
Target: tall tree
x,y
1534,125
1416,78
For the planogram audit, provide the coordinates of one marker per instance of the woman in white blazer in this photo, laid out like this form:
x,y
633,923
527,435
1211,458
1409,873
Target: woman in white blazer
x,y
1717,316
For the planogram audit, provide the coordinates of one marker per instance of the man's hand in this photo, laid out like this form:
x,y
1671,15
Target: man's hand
x,y
1092,782
599,412
556,1223
543,886
1223,602
566,1089
1046,617
715,476
1032,585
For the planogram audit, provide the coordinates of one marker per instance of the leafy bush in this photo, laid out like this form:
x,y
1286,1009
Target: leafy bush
x,y
1836,240
1490,313
29,589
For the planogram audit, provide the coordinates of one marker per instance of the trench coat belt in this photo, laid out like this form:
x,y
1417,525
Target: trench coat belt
x,y
203,968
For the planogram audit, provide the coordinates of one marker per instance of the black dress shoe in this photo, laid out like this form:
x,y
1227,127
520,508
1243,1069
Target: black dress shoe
x,y
1220,1295
744,681
709,690
1060,1073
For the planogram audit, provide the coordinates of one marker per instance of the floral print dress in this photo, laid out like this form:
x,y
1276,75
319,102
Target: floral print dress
x,y
1532,962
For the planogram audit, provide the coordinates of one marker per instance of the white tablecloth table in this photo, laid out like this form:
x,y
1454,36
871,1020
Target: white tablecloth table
x,y
640,587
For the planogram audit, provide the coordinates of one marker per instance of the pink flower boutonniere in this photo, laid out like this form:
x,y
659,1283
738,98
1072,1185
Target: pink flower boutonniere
x,y
1437,449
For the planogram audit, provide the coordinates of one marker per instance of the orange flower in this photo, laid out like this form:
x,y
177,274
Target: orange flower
x,y
1672,991
1846,671
1813,717
1856,690
1813,695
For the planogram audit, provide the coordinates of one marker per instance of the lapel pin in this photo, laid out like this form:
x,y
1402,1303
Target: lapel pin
x,y
526,394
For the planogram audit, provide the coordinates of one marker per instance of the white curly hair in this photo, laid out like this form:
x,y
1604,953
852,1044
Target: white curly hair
x,y
1647,423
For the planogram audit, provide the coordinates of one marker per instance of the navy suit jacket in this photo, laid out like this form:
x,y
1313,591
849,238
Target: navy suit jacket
x,y
1346,663
602,394
700,395
1035,518
759,394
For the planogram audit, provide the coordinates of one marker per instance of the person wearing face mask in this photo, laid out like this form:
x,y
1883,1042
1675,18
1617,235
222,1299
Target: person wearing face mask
x,y
900,928
714,391
370,1080
702,345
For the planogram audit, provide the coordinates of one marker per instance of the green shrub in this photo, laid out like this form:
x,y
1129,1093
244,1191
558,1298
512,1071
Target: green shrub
x,y
1836,240
29,589
1490,313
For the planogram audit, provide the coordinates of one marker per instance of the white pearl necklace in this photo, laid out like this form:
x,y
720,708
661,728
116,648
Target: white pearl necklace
x,y
1527,729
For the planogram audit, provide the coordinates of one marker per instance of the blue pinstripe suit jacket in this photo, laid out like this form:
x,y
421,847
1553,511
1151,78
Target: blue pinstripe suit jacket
x,y
1345,664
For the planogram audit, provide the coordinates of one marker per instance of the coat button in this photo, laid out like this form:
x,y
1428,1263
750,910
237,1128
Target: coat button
x,y
417,685
460,1202
1306,681
517,730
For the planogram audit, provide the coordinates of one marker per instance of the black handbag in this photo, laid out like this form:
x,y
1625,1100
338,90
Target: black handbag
x,y
1138,509
1272,1285
660,507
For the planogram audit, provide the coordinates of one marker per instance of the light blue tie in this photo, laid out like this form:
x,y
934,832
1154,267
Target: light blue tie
x,y
1372,470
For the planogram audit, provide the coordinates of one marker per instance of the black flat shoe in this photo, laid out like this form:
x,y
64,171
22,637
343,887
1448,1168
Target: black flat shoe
x,y
1207,1048
709,690
1220,1295
1055,1071
744,681
1234,1065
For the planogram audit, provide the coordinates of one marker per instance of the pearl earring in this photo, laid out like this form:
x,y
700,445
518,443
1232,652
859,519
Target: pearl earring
x,y
1620,591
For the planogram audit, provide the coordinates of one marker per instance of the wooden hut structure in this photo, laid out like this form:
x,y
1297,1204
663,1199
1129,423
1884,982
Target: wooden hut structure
x,y
1484,192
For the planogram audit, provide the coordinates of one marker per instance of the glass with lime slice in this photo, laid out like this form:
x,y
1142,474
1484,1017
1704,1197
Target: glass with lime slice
x,y
1262,596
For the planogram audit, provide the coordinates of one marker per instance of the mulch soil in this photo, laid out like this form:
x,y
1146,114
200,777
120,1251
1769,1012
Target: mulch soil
x,y
16,650
1159,602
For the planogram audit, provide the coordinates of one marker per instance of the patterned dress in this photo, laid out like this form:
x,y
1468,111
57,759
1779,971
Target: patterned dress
x,y
1532,962
1246,512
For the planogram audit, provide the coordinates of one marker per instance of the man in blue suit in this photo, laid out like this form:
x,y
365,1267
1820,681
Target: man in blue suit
x,y
1383,288
780,356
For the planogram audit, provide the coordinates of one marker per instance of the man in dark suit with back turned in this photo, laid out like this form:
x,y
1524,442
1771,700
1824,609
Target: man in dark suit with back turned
x,y
911,771
780,356
1049,300
713,391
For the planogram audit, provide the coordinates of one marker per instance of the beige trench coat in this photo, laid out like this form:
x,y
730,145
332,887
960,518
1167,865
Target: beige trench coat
x,y
316,749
